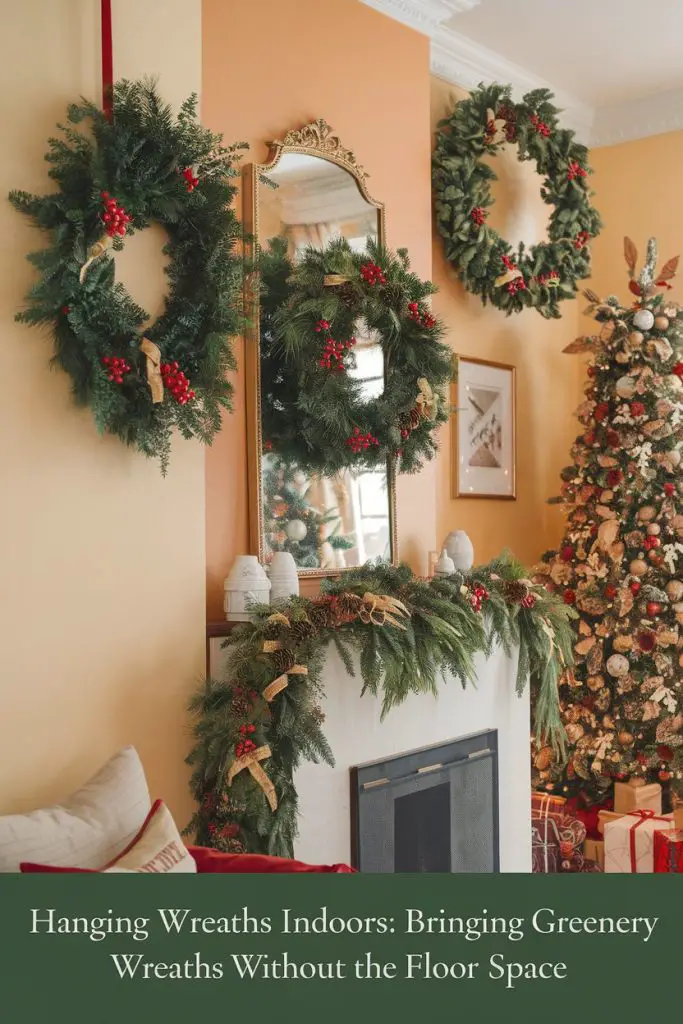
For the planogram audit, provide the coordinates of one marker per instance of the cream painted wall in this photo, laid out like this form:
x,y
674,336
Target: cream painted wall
x,y
548,382
102,568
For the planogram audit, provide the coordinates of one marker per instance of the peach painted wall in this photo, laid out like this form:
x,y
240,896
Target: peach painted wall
x,y
102,568
368,76
547,380
638,194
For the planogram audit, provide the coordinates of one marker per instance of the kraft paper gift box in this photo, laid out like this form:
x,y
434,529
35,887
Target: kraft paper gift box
x,y
668,852
594,849
629,797
629,841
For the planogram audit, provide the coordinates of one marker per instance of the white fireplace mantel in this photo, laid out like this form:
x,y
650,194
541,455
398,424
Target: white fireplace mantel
x,y
357,735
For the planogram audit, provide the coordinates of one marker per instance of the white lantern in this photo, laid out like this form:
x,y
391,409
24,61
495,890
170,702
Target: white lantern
x,y
460,549
644,319
445,565
247,584
284,579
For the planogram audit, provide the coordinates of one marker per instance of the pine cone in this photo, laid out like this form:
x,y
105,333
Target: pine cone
x,y
348,604
283,660
321,616
515,590
240,707
302,630
317,714
346,294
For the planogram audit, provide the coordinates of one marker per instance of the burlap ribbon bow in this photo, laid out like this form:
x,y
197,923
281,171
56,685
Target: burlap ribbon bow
x,y
427,401
251,762
378,609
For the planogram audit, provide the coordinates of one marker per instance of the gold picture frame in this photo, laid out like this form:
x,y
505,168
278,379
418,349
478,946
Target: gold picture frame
x,y
316,139
489,468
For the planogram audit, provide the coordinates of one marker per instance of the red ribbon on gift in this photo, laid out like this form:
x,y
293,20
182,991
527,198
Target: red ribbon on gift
x,y
643,816
107,58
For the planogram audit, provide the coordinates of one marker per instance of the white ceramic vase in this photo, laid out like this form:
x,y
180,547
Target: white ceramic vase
x,y
284,578
460,549
445,565
247,584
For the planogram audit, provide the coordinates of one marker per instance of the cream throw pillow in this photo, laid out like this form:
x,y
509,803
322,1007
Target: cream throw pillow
x,y
157,848
88,829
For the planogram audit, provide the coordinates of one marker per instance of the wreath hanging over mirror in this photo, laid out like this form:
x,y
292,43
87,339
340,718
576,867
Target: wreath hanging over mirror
x,y
140,381
513,279
353,371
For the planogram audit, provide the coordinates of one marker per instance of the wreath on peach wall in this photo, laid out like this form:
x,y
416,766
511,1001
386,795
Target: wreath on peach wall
x,y
136,165
513,279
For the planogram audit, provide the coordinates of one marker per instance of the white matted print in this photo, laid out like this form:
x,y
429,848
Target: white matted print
x,y
483,441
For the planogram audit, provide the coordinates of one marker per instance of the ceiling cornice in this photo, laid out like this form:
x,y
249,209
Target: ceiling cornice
x,y
638,118
423,15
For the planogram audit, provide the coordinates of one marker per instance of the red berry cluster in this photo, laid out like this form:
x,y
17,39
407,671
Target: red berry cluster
x,y
507,263
245,745
518,285
581,239
114,216
551,278
540,126
529,601
575,170
637,410
651,543
117,368
322,325
359,442
569,596
678,370
190,179
669,490
479,595
423,316
333,354
478,215
177,383
372,274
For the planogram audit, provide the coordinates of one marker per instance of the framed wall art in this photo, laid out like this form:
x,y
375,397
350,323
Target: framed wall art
x,y
483,429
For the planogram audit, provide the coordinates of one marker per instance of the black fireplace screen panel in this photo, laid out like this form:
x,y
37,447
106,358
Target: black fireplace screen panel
x,y
430,810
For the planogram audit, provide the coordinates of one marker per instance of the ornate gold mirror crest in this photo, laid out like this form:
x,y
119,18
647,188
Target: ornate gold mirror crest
x,y
311,190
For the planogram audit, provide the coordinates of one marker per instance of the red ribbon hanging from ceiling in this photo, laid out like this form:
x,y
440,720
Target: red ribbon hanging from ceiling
x,y
107,59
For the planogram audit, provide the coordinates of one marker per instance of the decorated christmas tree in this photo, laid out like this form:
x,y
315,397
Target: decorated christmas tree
x,y
619,564
294,524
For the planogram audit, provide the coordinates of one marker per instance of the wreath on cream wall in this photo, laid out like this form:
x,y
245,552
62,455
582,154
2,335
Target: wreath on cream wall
x,y
141,380
513,279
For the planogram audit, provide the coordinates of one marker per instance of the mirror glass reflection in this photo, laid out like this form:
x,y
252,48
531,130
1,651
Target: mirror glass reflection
x,y
341,521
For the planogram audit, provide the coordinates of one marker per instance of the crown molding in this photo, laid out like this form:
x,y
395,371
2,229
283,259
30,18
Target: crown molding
x,y
463,62
422,15
638,118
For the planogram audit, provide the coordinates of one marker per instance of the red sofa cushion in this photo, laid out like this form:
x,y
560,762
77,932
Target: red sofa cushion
x,y
214,862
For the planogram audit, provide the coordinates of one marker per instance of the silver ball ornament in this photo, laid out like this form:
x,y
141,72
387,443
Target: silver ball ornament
x,y
644,320
296,530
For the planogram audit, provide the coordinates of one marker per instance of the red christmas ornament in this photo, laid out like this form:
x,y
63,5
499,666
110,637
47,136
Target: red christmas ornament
x,y
664,776
614,477
635,587
116,368
589,437
646,641
569,596
678,370
669,490
177,383
653,608
601,411
567,553
665,753
66,310
610,591
115,218
372,274
637,409
651,543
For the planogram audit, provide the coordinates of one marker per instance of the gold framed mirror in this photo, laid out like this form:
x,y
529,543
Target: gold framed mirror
x,y
311,190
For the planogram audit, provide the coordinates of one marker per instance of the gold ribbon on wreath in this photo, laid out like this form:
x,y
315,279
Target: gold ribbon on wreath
x,y
251,762
153,361
278,685
378,609
94,253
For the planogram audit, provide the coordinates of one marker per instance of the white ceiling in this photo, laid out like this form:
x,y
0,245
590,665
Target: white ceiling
x,y
615,66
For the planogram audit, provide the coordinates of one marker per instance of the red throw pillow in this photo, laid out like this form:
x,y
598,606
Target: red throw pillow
x,y
214,862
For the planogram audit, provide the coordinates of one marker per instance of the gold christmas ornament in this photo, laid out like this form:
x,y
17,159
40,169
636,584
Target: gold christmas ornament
x,y
662,323
635,339
625,738
646,513
638,567
674,590
654,529
617,665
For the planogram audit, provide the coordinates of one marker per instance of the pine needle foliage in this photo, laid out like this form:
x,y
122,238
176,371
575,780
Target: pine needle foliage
x,y
311,411
513,279
448,622
139,158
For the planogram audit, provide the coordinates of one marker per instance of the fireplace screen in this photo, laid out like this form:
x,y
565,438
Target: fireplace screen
x,y
434,809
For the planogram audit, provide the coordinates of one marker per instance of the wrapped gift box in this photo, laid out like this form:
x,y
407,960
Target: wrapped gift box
x,y
631,797
546,803
594,850
604,817
629,841
545,846
668,852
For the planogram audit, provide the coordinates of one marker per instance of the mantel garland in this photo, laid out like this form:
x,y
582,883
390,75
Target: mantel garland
x,y
487,265
253,729
315,412
140,380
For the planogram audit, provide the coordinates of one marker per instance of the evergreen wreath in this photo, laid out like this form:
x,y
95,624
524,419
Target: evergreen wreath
x,y
487,265
143,165
254,728
315,414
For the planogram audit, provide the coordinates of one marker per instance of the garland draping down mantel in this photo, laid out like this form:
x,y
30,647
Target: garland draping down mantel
x,y
253,729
